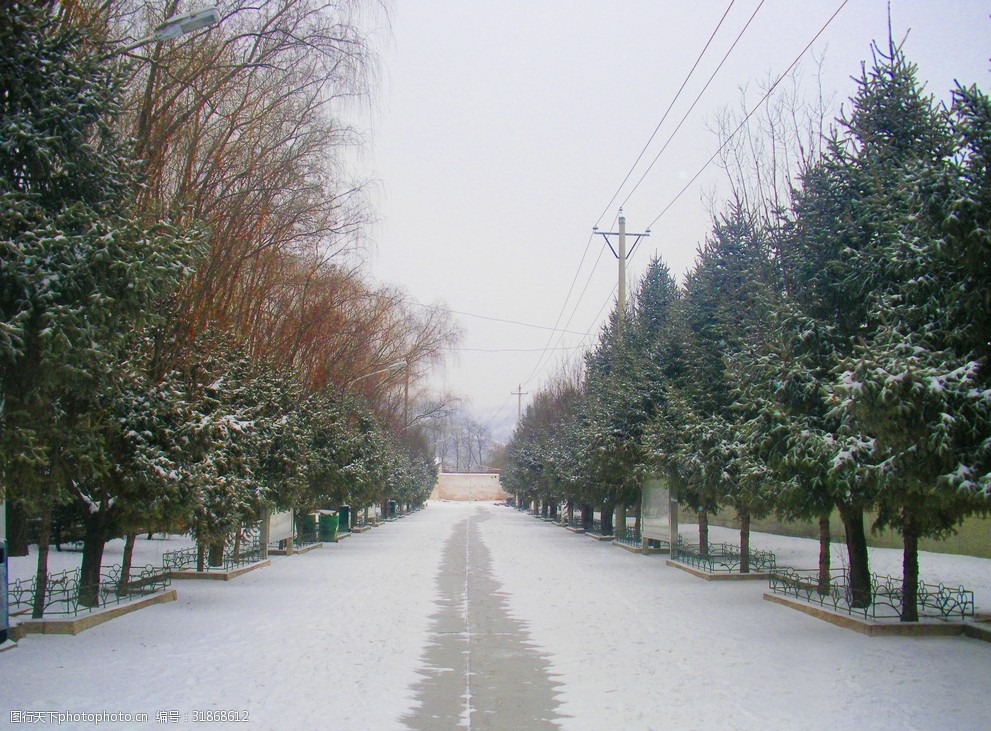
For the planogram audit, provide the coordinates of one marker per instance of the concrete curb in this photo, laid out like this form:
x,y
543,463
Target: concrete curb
x,y
894,628
82,623
221,575
720,576
304,549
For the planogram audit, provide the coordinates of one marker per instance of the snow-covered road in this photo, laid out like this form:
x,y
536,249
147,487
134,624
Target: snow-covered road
x,y
346,637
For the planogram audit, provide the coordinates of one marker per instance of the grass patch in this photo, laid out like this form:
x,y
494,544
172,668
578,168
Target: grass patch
x,y
973,537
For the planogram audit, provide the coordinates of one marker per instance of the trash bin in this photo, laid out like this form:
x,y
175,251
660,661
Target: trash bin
x,y
309,527
344,519
328,525
392,508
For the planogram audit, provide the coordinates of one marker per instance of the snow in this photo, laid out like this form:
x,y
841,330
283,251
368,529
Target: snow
x,y
334,639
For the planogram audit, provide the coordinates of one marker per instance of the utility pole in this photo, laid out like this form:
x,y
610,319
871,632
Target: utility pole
x,y
619,516
621,256
519,393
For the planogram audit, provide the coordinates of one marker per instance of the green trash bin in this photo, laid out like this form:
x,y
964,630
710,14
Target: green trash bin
x,y
309,528
328,526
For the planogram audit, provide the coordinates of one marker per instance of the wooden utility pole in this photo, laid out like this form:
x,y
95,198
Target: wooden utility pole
x,y
619,517
621,256
519,393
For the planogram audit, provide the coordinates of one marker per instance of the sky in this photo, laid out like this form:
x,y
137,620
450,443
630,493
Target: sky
x,y
501,134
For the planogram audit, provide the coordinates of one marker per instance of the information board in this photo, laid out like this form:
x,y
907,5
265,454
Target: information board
x,y
655,519
280,526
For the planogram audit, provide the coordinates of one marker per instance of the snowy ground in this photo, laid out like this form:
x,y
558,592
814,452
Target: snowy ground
x,y
336,638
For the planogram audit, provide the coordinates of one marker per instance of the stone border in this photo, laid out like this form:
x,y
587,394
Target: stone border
x,y
640,549
221,575
893,628
284,552
720,575
573,529
7,645
628,547
362,528
84,622
597,537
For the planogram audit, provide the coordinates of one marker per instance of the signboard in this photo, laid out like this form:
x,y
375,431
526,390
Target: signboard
x,y
655,521
280,526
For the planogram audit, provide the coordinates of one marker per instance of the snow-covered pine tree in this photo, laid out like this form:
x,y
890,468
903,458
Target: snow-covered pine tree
x,y
917,384
78,273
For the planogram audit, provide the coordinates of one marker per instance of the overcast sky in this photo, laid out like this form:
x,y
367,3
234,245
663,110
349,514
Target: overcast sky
x,y
502,130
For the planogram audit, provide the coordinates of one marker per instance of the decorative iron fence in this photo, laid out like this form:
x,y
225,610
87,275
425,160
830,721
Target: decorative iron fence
x,y
305,538
596,528
241,553
721,558
632,538
934,600
62,591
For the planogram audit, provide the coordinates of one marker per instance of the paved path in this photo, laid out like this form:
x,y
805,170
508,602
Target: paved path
x,y
481,672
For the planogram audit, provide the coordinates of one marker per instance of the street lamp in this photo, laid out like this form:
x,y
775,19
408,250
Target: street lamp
x,y
399,364
178,25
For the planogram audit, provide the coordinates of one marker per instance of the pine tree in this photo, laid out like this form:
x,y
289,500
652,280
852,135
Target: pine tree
x,y
917,384
853,210
78,273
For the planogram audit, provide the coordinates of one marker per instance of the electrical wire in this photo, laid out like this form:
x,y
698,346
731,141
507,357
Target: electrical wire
x,y
694,103
495,319
541,360
749,114
666,112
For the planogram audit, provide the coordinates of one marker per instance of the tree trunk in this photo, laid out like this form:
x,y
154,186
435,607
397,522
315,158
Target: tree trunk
x,y
824,555
856,545
237,546
200,557
605,522
619,524
41,577
638,510
910,568
703,531
216,553
125,565
94,539
17,530
744,541
587,516
571,512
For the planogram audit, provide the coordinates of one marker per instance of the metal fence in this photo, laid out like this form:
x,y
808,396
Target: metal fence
x,y
721,558
247,551
934,600
62,591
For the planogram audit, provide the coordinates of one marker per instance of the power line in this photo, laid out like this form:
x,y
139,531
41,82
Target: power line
x,y
666,112
540,361
697,98
512,350
496,319
571,288
749,114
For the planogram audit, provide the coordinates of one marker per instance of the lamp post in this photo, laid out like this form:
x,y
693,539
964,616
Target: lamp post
x,y
176,26
391,367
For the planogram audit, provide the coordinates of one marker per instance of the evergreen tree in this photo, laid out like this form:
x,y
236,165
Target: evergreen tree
x,y
850,209
78,273
917,384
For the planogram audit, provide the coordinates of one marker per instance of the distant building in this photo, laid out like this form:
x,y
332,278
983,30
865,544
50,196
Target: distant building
x,y
468,486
